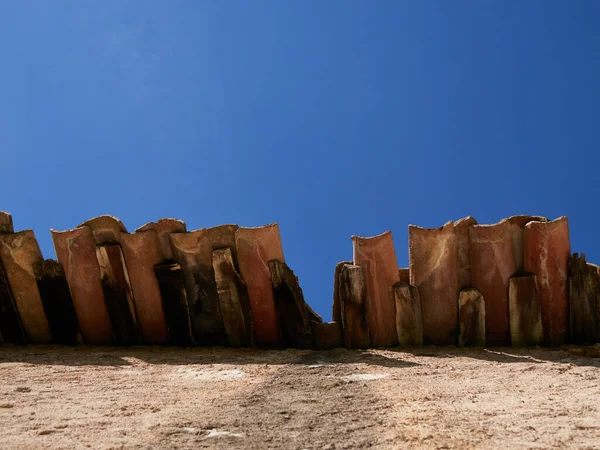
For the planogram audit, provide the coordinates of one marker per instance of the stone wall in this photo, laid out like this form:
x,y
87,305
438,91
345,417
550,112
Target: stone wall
x,y
511,283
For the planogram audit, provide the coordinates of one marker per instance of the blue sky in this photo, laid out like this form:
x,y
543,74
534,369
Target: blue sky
x,y
332,118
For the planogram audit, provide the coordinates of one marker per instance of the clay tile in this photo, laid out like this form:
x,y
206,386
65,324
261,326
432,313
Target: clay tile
x,y
10,322
471,318
526,327
57,301
193,252
546,254
465,222
48,267
524,219
378,258
292,310
336,310
223,236
328,335
492,265
177,311
118,294
517,224
6,223
592,265
404,274
19,252
434,271
233,298
462,249
164,227
256,247
106,229
353,308
584,310
76,251
142,252
409,320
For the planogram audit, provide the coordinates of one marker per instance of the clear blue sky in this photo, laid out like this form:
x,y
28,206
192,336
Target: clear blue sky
x,y
332,118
